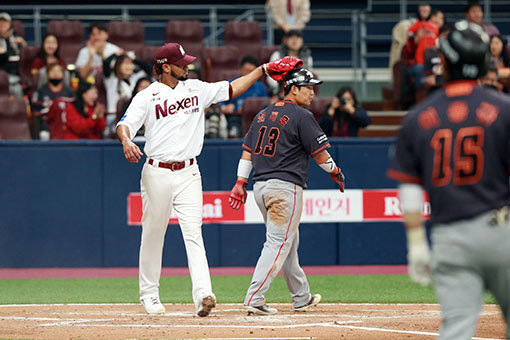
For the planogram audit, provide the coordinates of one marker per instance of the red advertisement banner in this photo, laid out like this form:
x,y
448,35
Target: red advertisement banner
x,y
215,209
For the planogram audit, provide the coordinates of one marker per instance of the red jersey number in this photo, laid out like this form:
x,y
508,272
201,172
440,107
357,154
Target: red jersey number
x,y
468,157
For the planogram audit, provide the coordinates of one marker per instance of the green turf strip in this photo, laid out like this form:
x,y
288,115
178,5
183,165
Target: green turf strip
x,y
333,288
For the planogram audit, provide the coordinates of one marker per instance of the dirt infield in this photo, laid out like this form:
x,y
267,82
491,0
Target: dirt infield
x,y
229,321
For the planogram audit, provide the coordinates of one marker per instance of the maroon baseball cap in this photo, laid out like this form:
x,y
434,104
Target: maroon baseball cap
x,y
172,53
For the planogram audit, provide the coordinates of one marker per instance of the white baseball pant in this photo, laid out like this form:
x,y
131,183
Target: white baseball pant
x,y
161,190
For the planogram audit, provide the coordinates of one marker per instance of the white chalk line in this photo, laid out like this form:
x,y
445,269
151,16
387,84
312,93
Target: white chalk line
x,y
323,324
222,304
337,324
403,331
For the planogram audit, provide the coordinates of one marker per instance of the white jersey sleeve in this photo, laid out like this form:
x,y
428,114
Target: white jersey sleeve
x,y
135,114
213,93
83,57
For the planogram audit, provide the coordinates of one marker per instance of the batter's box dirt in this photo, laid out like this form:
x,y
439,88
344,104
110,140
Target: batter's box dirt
x,y
230,321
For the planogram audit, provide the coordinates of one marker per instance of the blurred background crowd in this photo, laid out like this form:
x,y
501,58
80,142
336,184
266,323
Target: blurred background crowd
x,y
78,81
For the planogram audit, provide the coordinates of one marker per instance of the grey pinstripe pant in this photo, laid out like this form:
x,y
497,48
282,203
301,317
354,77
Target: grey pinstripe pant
x,y
281,204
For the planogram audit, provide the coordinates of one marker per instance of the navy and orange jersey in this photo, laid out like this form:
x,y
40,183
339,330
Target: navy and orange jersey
x,y
281,139
456,144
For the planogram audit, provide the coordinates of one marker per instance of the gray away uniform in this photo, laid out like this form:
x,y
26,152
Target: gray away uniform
x,y
281,140
456,144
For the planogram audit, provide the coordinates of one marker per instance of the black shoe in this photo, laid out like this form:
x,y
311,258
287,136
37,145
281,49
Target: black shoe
x,y
314,301
260,310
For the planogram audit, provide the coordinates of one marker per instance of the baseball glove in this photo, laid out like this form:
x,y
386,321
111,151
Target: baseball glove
x,y
280,67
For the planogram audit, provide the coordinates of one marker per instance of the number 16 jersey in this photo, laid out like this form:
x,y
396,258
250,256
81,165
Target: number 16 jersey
x,y
456,144
281,139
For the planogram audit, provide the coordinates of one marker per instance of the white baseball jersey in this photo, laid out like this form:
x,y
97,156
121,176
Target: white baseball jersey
x,y
173,118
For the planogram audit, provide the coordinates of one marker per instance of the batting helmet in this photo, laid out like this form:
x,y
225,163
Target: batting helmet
x,y
299,77
466,50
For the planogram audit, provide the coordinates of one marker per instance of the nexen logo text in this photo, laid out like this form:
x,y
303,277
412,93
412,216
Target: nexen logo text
x,y
172,109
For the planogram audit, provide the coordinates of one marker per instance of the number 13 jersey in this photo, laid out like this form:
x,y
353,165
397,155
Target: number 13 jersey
x,y
456,144
281,139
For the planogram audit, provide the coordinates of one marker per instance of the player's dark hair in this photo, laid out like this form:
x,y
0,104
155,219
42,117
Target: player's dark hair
x,y
158,69
42,53
79,104
504,52
349,89
286,90
250,60
99,25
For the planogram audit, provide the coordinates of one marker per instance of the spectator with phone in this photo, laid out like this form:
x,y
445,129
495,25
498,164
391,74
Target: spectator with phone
x,y
343,117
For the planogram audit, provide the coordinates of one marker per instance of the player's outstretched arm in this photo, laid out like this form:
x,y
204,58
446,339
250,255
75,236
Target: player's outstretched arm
x,y
275,69
241,84
238,194
131,150
418,250
324,160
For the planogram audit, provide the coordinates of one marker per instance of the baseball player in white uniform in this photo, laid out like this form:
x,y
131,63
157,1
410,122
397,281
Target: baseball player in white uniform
x,y
172,110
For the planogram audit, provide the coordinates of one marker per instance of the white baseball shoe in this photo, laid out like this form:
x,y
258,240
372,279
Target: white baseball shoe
x,y
260,310
207,304
152,304
314,301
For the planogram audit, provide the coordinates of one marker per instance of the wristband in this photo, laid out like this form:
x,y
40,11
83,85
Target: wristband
x,y
411,197
264,68
328,166
244,168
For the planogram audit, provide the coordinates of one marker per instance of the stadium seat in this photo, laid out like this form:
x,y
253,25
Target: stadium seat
x,y
19,28
318,106
13,119
252,106
228,74
190,34
27,56
265,53
71,38
129,35
101,90
4,83
146,53
245,35
217,60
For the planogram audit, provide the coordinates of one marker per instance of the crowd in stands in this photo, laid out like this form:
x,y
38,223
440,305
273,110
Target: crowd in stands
x,y
79,90
414,58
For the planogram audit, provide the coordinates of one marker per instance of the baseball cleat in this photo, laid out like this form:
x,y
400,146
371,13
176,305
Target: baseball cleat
x,y
207,304
314,301
260,310
152,304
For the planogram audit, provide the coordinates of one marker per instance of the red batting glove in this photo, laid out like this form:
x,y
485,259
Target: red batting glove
x,y
338,177
278,69
238,195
